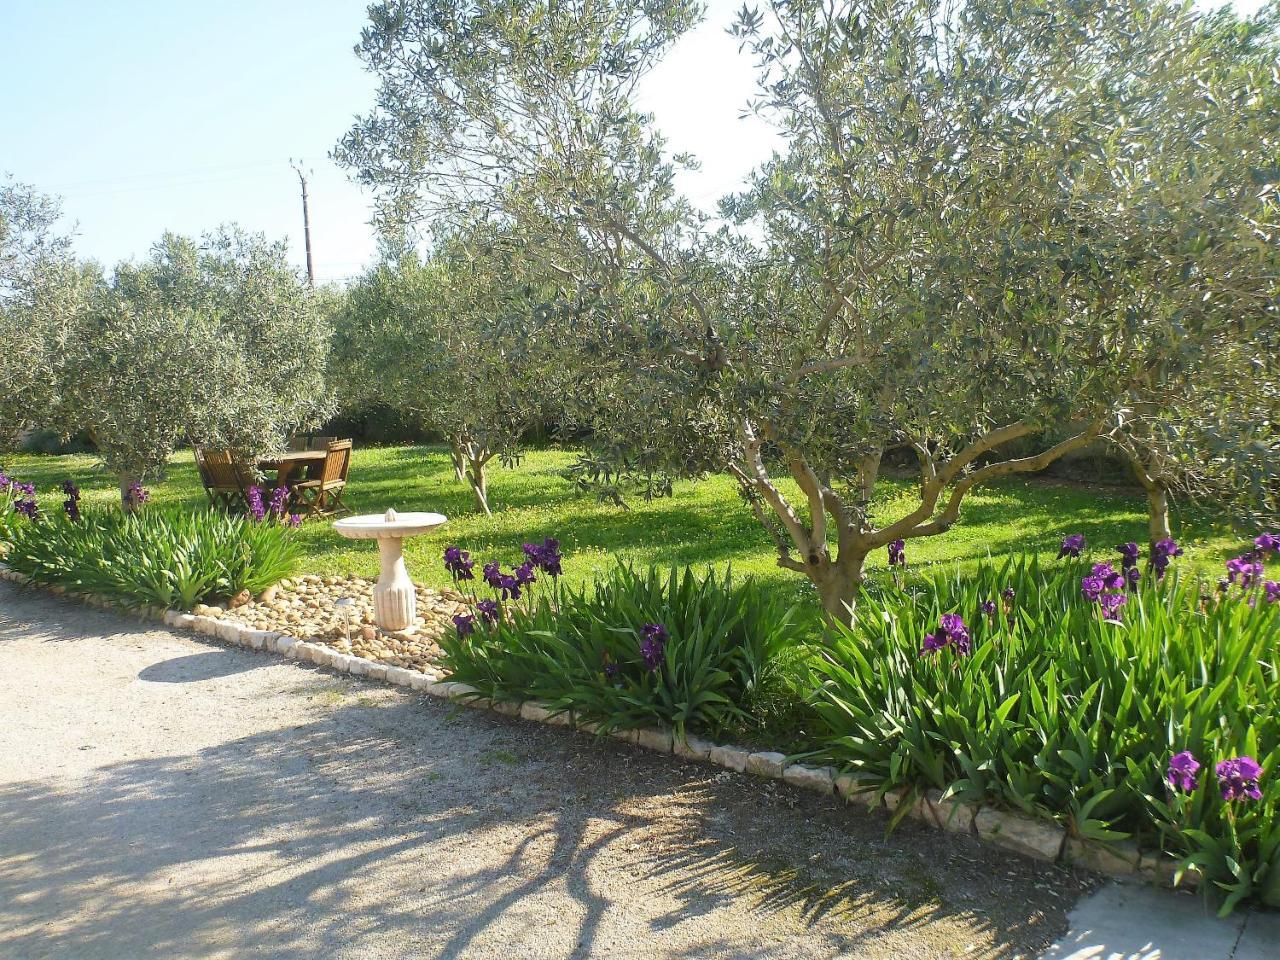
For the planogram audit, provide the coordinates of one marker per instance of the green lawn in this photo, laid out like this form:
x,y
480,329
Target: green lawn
x,y
704,524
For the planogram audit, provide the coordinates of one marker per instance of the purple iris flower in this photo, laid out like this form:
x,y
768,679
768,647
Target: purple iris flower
x,y
459,564
1238,777
653,645
279,498
1113,607
1245,568
951,632
1132,577
257,509
525,574
295,520
1182,771
1129,553
545,556
1071,545
28,508
138,494
898,553
1107,573
1163,551
1008,593
509,586
988,608
1103,577
1267,543
466,624
1092,588
488,610
611,669
72,504
1271,589
493,574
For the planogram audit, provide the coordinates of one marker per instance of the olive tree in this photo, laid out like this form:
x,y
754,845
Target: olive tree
x,y
990,219
444,340
1205,423
42,289
215,342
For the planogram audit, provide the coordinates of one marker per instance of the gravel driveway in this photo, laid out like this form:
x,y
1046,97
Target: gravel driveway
x,y
163,796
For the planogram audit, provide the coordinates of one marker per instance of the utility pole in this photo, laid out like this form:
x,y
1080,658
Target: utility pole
x,y
306,220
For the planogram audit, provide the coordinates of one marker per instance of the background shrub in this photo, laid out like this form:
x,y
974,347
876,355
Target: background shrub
x,y
1062,715
721,658
173,558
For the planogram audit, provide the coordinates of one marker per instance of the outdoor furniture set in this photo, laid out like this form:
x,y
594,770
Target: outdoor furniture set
x,y
313,470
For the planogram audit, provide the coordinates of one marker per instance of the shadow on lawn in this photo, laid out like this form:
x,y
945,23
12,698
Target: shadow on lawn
x,y
437,828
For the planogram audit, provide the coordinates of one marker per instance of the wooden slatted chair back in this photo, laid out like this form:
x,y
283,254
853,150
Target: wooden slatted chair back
x,y
226,471
337,462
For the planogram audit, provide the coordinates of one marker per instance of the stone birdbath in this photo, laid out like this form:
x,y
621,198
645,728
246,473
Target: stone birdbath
x,y
395,603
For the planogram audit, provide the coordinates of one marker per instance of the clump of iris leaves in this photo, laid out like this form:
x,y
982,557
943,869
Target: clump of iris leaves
x,y
1053,711
168,557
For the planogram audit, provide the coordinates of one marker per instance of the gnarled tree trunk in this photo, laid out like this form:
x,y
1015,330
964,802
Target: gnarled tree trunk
x,y
1157,499
476,458
838,584
127,480
459,459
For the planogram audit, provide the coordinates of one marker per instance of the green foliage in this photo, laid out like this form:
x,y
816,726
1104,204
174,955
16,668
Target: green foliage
x,y
948,255
703,524
41,292
1064,716
443,342
725,639
217,341
166,557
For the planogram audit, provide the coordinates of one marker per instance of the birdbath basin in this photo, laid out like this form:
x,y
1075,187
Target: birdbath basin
x,y
395,603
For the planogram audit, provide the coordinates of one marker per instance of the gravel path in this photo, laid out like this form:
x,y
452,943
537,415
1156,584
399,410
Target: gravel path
x,y
162,796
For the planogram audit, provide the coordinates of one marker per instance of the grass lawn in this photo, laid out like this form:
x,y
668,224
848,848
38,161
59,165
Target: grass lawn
x,y
704,524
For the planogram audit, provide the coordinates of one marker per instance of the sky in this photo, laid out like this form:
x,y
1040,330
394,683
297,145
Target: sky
x,y
152,116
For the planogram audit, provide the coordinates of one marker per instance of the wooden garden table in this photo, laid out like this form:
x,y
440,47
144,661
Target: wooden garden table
x,y
287,464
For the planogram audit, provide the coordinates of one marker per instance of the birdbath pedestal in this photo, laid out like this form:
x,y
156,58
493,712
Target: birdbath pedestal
x,y
395,603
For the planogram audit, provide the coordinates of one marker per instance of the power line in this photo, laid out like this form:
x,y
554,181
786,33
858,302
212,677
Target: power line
x,y
171,174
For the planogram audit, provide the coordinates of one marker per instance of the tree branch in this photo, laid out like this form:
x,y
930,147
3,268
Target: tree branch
x,y
947,518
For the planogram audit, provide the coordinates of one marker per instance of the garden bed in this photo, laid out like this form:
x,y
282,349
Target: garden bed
x,y
308,607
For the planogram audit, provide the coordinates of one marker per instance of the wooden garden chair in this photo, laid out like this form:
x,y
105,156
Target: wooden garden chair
x,y
323,493
225,478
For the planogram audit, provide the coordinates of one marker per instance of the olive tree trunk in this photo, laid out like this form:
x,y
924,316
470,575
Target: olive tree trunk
x,y
838,586
1157,499
459,459
478,477
127,480
1158,515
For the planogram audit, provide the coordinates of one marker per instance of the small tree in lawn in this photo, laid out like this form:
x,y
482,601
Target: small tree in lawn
x,y
445,341
970,236
216,342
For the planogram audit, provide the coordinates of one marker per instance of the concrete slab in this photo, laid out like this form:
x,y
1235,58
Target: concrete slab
x,y
1121,922
1261,938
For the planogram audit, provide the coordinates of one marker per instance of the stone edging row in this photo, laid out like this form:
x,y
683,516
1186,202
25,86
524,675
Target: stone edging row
x,y
1039,839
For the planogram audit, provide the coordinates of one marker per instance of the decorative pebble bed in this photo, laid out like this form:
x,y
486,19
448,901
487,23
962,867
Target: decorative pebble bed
x,y
308,608
305,597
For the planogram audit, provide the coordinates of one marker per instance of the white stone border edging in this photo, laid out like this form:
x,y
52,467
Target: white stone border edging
x,y
1039,839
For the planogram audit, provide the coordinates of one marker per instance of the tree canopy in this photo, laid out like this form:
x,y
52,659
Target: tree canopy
x,y
446,341
991,218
